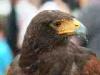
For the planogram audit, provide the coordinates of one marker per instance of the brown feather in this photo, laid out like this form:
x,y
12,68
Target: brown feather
x,y
46,53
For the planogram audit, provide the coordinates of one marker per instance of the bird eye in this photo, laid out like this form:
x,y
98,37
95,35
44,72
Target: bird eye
x,y
58,24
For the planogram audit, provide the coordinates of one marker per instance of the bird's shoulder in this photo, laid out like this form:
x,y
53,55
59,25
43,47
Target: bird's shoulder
x,y
92,67
14,68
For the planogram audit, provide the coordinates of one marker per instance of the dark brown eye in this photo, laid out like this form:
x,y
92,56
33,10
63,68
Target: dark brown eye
x,y
58,24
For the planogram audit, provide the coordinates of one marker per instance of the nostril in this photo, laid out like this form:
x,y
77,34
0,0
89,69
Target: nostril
x,y
76,25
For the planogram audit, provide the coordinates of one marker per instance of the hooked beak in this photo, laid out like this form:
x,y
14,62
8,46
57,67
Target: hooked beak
x,y
70,28
81,32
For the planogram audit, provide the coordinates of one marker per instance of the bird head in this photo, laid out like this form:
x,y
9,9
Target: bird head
x,y
48,30
52,26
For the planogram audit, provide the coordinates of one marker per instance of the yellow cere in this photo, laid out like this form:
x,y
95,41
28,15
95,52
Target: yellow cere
x,y
67,26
